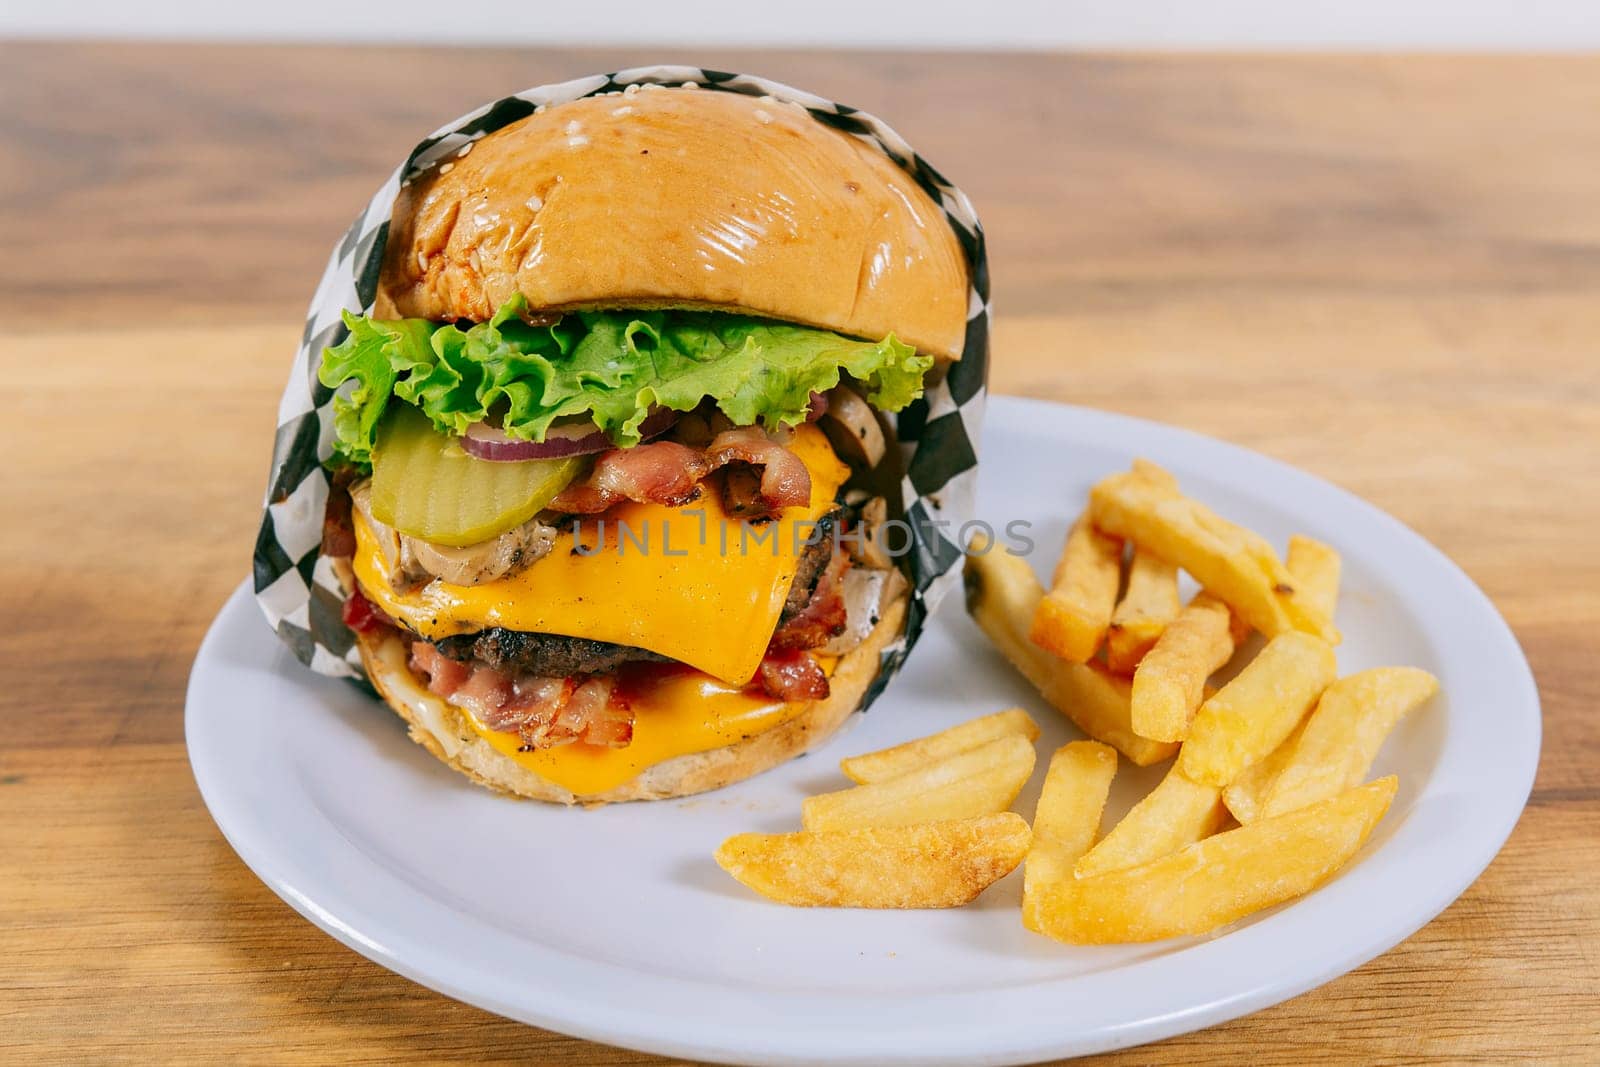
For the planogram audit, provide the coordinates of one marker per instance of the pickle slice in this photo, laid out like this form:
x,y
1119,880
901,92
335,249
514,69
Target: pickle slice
x,y
425,485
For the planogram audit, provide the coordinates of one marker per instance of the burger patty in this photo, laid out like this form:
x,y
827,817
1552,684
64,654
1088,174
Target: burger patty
x,y
552,655
547,655
813,561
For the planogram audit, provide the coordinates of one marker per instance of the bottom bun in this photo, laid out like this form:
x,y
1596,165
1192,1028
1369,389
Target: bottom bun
x,y
441,728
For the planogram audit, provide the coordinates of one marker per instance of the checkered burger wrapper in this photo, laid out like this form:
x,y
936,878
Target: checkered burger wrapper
x,y
297,587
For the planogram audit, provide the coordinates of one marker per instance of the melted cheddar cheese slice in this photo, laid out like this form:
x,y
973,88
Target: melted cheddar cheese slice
x,y
689,583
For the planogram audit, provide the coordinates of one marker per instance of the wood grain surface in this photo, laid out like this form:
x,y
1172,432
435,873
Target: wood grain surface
x,y
1385,270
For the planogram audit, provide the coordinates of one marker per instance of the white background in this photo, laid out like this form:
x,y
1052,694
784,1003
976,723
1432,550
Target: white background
x,y
1025,24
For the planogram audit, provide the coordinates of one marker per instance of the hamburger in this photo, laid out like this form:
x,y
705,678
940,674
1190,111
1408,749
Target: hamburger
x,y
611,476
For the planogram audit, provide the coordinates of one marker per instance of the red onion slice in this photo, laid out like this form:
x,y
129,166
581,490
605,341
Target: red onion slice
x,y
563,439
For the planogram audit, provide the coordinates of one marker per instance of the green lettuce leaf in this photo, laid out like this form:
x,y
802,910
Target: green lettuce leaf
x,y
611,366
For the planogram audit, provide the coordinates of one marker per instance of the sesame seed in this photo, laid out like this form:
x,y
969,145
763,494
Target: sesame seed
x,y
691,85
465,149
651,86
447,168
574,127
477,264
535,203
422,262
621,111
539,110
631,90
577,142
763,117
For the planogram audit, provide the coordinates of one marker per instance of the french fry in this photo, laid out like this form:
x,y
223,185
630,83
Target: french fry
x,y
980,781
1216,881
1234,564
1315,567
1176,813
1250,716
934,865
1068,816
1343,735
1247,794
1072,619
892,762
1154,472
1002,593
1148,606
1169,683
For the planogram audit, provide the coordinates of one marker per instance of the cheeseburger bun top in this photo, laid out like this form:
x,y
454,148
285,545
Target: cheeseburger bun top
x,y
679,198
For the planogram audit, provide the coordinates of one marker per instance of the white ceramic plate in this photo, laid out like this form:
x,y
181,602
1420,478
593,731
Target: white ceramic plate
x,y
616,925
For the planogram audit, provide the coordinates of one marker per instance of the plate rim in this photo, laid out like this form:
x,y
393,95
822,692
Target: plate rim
x,y
638,1030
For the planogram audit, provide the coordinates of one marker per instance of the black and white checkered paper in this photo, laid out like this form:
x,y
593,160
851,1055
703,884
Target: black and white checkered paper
x,y
297,588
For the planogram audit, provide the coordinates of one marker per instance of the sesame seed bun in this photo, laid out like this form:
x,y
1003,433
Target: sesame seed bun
x,y
679,198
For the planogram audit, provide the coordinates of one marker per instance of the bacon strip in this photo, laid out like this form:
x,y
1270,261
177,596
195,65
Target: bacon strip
x,y
445,675
785,481
825,615
542,712
532,699
594,715
661,472
792,675
669,473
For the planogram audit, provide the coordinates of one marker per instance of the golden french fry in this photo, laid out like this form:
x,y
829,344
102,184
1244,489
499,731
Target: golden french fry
x,y
1071,620
1068,816
1147,606
1176,813
1002,593
1247,794
1343,735
933,865
1216,881
1315,567
1169,683
979,781
1154,472
893,762
1251,715
1234,564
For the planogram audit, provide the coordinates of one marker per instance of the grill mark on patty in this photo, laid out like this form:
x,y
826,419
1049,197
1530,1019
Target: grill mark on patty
x,y
552,655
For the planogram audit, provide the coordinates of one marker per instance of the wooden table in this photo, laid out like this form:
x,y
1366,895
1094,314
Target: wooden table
x,y
1383,270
